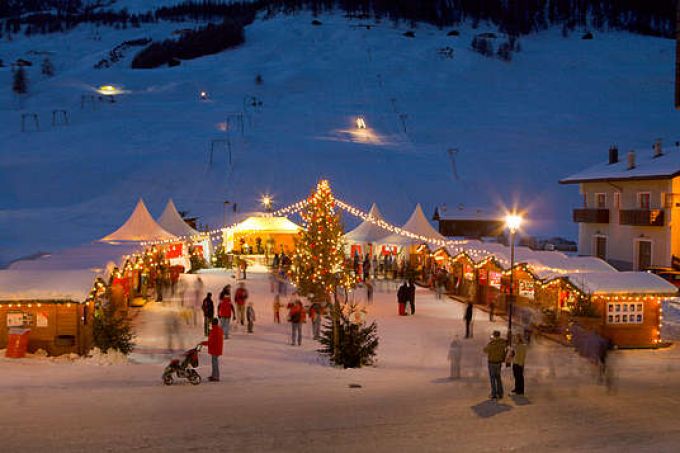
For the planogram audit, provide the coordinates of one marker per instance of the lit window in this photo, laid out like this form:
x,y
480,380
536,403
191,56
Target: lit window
x,y
629,313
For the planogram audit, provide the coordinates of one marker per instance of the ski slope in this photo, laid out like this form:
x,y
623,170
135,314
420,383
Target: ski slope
x,y
519,126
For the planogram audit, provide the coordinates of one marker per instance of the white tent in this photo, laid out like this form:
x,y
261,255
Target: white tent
x,y
171,221
140,226
367,232
418,225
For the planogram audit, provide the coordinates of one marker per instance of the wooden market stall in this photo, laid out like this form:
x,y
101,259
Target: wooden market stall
x,y
53,305
261,235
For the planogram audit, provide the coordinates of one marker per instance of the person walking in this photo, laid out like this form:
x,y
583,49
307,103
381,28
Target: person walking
x,y
402,298
366,267
198,293
519,354
495,352
412,296
215,347
276,306
455,356
492,307
241,297
468,320
369,292
250,317
315,316
225,311
208,308
295,316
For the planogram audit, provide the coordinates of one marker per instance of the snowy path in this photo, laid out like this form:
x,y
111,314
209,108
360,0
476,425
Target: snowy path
x,y
275,397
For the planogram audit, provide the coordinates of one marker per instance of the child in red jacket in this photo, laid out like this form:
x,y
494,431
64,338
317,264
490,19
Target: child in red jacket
x,y
215,345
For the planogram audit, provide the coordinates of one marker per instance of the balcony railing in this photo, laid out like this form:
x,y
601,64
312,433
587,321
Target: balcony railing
x,y
641,217
585,215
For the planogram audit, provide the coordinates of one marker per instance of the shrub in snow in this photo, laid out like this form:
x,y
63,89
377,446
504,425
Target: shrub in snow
x,y
357,341
20,81
453,33
482,46
409,34
505,51
588,35
258,79
112,330
316,22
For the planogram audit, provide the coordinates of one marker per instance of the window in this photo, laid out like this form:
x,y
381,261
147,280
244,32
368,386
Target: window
x,y
644,254
601,247
617,200
600,200
644,200
625,313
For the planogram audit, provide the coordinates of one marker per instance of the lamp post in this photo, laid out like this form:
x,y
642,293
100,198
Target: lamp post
x,y
512,222
266,201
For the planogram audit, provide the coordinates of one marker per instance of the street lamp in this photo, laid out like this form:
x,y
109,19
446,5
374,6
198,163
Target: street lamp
x,y
512,222
266,201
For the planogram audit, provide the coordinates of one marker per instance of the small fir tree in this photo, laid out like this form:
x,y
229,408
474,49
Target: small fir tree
x,y
47,67
112,330
20,82
357,341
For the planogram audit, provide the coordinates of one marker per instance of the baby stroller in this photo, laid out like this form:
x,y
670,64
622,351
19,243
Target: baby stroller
x,y
183,368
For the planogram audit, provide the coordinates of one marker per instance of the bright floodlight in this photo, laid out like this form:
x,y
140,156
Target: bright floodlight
x,y
204,95
513,221
108,90
266,201
361,124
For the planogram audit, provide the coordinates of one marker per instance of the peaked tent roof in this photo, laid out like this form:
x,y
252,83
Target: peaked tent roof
x,y
416,224
140,226
171,221
266,223
367,231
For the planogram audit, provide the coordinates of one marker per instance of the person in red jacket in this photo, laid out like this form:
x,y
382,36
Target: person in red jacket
x,y
241,297
215,346
225,311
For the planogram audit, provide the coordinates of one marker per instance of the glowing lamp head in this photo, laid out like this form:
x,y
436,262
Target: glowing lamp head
x,y
361,124
203,94
266,201
108,90
513,221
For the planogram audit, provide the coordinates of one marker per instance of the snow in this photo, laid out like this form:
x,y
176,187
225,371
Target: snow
x,y
140,226
520,126
622,283
33,285
96,257
646,167
276,397
172,222
367,232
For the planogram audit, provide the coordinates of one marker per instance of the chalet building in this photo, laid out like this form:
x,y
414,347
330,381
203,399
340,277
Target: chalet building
x,y
631,209
468,222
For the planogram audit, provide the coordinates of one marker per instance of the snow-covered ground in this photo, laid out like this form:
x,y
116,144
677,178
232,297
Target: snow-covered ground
x,y
519,126
277,397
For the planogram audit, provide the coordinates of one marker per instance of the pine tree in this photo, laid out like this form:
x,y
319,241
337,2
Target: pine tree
x,y
20,82
357,342
112,330
47,67
319,260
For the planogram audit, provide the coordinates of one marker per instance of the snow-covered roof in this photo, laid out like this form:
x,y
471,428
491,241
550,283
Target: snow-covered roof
x,y
43,285
140,226
646,167
621,283
272,224
172,222
367,231
96,257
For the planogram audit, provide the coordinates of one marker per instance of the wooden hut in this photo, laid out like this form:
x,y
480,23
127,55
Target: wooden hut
x,y
53,305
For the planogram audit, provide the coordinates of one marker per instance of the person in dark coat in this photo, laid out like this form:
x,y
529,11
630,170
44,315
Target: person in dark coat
x,y
208,308
468,320
412,296
402,298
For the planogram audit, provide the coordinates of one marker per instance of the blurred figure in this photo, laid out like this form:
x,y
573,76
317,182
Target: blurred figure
x,y
241,297
250,317
315,316
369,292
198,294
469,310
455,357
208,308
276,306
519,353
225,311
296,318
172,329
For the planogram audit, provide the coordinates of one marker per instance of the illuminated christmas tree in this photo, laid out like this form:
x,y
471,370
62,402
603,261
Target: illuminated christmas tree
x,y
319,261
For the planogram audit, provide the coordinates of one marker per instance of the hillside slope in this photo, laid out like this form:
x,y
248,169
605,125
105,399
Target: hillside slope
x,y
519,126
